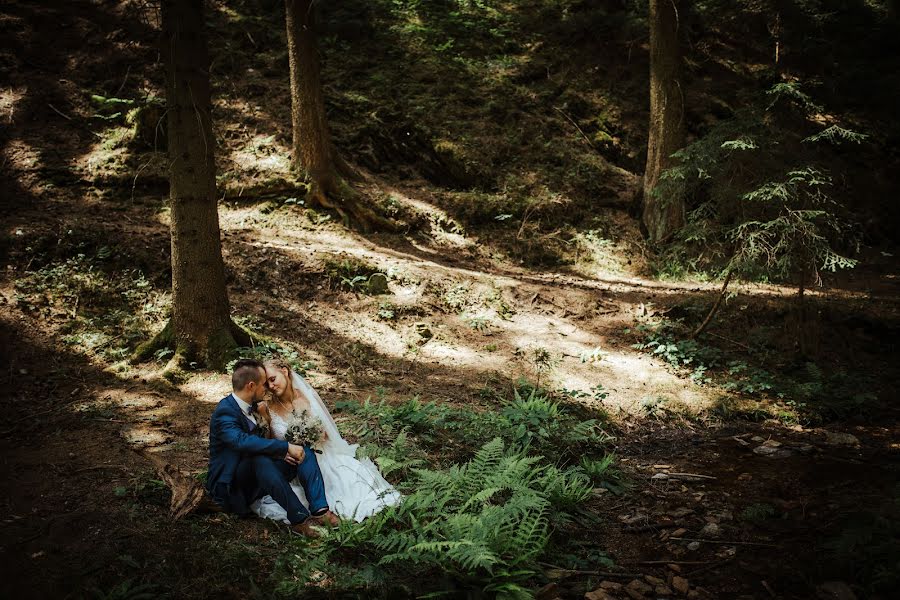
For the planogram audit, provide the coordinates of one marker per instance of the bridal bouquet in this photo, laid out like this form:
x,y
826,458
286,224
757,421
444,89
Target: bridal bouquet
x,y
304,428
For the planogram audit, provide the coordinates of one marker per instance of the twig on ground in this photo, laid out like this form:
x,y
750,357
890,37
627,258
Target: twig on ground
x,y
597,573
693,475
650,527
669,562
723,542
711,565
572,121
98,468
735,342
715,307
124,81
59,112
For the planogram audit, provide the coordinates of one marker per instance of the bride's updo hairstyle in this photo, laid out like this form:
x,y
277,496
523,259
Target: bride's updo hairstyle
x,y
278,363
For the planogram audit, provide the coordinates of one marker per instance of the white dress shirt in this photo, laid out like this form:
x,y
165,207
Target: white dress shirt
x,y
245,408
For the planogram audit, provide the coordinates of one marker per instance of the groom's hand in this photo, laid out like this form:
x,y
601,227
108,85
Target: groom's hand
x,y
295,454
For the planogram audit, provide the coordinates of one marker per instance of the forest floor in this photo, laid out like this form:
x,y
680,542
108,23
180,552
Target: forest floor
x,y
82,505
788,499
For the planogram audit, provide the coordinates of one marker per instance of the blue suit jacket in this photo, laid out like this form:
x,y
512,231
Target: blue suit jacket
x,y
230,440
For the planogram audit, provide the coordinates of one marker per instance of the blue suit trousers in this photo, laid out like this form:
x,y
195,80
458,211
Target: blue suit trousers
x,y
259,475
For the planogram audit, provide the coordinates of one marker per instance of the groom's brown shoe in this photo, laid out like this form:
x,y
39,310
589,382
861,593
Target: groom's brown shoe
x,y
307,528
328,518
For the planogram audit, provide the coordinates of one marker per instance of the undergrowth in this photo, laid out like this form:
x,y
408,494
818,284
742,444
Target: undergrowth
x,y
531,421
804,394
477,527
471,527
105,309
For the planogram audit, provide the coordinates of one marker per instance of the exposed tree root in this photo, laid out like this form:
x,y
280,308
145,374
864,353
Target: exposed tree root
x,y
335,194
219,348
188,494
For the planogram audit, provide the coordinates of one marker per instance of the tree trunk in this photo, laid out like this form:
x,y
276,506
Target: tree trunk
x,y
201,328
663,215
313,154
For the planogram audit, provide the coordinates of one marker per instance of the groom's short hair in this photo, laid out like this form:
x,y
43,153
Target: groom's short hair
x,y
245,371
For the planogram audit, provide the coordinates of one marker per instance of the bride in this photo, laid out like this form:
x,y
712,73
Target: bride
x,y
354,487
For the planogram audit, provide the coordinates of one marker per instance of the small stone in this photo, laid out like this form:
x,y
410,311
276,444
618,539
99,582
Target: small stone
x,y
551,592
611,586
634,519
693,546
711,530
757,439
660,476
674,567
424,331
771,451
23,371
662,590
772,443
681,585
654,580
835,590
638,586
838,438
679,532
598,595
678,513
377,284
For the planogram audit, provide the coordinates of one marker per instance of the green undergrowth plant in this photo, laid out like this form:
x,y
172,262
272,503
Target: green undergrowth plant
x,y
104,309
350,274
479,527
531,420
805,394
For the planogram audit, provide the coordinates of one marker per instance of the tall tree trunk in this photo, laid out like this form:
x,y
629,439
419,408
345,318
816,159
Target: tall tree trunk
x,y
201,328
313,154
663,215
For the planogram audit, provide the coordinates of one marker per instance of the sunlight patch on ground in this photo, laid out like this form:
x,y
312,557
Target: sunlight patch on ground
x,y
634,377
21,154
9,97
207,386
562,314
458,356
263,155
436,215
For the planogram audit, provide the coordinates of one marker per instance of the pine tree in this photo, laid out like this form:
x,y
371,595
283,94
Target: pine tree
x,y
663,215
201,328
313,153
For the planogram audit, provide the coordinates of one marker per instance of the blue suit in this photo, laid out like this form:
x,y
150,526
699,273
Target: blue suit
x,y
244,467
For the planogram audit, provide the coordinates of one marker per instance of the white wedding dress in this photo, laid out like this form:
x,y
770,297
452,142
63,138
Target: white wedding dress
x,y
354,487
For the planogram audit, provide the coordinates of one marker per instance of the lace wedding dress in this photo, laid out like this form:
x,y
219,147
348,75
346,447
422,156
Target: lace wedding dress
x,y
354,487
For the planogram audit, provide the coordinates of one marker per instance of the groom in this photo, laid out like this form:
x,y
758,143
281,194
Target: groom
x,y
244,466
